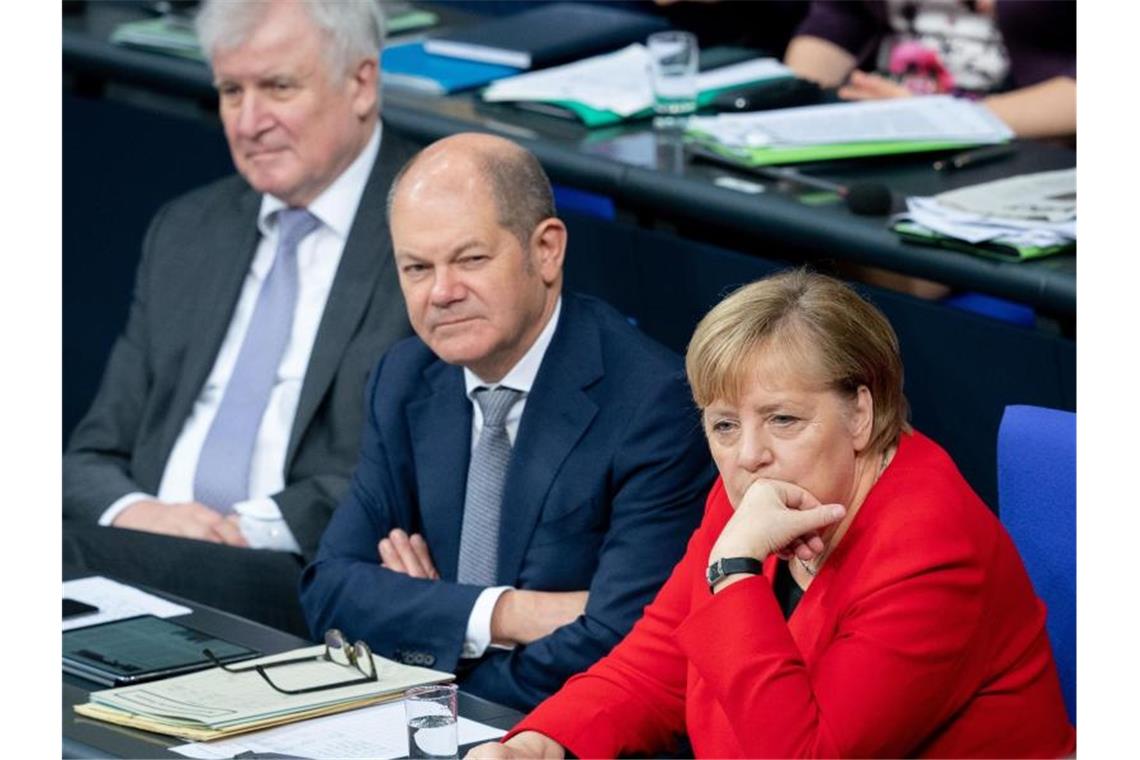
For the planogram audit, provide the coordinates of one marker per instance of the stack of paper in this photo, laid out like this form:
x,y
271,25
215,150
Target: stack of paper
x,y
374,733
214,703
608,88
1022,217
847,130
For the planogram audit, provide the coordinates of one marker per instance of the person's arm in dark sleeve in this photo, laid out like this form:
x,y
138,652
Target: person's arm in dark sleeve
x,y
346,587
833,39
97,462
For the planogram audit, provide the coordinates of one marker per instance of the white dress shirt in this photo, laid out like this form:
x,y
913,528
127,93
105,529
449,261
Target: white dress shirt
x,y
520,378
318,256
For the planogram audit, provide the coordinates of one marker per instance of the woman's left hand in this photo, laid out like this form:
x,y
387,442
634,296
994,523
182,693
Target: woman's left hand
x,y
775,517
865,86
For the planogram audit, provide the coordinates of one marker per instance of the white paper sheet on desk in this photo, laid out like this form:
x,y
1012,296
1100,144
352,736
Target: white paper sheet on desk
x,y
619,82
939,118
115,602
1041,197
377,732
1037,210
976,228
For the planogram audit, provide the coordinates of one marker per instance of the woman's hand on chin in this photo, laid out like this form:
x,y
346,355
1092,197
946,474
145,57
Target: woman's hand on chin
x,y
776,517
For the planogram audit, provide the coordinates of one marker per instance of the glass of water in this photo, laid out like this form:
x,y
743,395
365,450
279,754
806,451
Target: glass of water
x,y
432,713
673,75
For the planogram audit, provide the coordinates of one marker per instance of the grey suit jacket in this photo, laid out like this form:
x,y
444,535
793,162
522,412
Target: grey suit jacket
x,y
194,260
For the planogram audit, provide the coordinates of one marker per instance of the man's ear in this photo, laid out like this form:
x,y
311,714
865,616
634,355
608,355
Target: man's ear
x,y
548,248
862,418
364,84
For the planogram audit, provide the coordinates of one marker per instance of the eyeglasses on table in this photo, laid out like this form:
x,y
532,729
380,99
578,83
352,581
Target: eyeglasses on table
x,y
337,651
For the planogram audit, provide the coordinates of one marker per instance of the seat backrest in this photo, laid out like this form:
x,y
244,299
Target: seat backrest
x,y
1037,503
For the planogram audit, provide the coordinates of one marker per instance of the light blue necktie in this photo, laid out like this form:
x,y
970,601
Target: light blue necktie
x,y
479,539
222,477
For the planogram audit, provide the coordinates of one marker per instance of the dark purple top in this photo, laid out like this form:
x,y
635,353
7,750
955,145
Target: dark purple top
x,y
1040,35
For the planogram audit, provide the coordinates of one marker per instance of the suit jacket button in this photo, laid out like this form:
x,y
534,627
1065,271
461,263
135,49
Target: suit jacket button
x,y
429,660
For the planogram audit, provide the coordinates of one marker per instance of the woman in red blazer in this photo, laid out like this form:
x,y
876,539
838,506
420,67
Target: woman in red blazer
x,y
846,595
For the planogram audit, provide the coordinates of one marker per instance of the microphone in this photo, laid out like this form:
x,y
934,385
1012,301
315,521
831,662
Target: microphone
x,y
869,199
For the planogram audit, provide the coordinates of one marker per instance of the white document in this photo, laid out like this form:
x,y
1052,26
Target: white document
x,y
377,732
940,118
1027,210
1040,197
974,228
619,81
115,602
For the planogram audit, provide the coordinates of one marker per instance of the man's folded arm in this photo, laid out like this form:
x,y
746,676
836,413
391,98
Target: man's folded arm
x,y
662,476
346,588
398,615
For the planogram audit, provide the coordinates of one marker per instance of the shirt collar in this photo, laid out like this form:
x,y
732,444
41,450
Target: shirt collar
x,y
522,375
336,206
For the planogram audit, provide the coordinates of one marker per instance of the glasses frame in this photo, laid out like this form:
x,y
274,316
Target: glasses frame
x,y
334,640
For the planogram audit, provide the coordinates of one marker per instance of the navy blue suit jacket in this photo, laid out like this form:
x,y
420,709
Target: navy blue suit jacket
x,y
607,480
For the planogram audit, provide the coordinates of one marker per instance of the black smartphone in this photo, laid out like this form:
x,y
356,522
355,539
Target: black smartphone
x,y
763,96
75,608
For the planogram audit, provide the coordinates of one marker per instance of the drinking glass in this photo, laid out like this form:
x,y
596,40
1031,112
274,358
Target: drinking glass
x,y
432,714
673,75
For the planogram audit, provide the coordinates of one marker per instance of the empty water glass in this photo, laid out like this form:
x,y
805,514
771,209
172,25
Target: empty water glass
x,y
673,74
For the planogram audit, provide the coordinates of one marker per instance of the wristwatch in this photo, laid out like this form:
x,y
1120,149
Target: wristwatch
x,y
729,566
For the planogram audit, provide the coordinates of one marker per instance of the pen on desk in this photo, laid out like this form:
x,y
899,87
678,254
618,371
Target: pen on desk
x,y
966,159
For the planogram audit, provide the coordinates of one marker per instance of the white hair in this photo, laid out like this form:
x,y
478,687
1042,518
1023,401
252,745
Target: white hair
x,y
354,29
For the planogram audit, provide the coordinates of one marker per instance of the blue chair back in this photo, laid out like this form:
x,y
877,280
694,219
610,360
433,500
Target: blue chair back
x,y
1037,502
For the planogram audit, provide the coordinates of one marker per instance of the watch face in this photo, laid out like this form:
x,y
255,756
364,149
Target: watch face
x,y
713,573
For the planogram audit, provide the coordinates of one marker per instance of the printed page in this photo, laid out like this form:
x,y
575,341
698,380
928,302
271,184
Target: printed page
x,y
378,732
928,118
115,601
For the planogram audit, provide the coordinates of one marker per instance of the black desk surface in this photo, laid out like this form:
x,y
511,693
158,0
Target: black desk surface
x,y
83,737
650,175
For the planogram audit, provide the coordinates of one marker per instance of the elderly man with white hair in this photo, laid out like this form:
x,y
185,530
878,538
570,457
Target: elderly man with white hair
x,y
227,422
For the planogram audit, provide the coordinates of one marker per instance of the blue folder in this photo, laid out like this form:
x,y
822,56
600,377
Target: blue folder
x,y
409,67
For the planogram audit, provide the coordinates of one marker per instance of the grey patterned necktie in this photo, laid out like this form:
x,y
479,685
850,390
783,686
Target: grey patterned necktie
x,y
222,477
479,539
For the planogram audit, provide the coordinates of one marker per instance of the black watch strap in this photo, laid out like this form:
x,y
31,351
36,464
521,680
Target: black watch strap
x,y
729,566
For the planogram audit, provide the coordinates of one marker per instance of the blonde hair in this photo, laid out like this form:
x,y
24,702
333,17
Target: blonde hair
x,y
815,323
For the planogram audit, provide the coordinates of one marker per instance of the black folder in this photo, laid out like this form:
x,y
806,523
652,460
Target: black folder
x,y
547,35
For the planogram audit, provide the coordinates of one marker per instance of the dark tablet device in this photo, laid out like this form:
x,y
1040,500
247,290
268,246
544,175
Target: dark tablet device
x,y
142,648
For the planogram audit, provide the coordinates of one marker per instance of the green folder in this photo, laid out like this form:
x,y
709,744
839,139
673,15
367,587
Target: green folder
x,y
400,19
916,233
794,154
170,35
